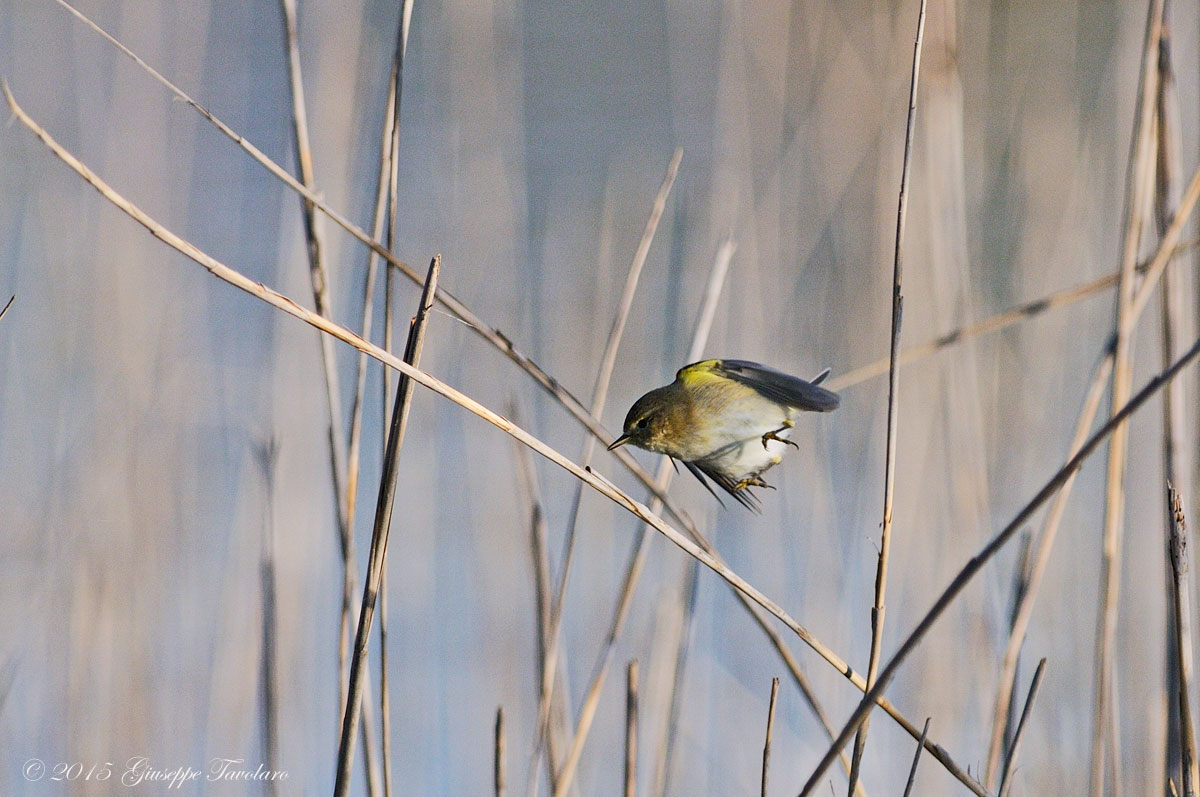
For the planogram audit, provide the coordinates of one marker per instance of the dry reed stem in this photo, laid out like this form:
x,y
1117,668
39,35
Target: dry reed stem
x,y
277,300
633,569
912,772
355,445
391,140
879,610
1176,466
770,729
972,568
1177,454
1105,723
368,312
7,305
320,288
499,775
1011,764
383,520
1001,320
608,361
631,729
542,590
1177,550
337,439
491,334
1154,271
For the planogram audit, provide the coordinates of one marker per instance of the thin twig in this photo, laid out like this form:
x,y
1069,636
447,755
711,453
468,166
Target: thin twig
x,y
878,611
1105,724
631,729
604,486
379,537
499,776
972,568
1011,764
1177,550
770,729
912,772
599,398
8,305
1001,320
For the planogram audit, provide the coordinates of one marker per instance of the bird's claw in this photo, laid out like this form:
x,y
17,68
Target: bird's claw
x,y
774,435
752,481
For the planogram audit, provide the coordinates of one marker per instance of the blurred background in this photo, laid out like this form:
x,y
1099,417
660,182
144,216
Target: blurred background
x,y
138,394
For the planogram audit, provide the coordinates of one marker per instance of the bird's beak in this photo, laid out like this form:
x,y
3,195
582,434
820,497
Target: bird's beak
x,y
620,441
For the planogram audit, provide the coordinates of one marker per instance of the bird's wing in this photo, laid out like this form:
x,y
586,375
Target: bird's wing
x,y
743,496
776,385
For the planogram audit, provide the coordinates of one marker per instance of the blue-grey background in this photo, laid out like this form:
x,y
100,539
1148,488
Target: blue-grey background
x,y
136,391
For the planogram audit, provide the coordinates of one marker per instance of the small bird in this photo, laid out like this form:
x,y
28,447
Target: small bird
x,y
727,420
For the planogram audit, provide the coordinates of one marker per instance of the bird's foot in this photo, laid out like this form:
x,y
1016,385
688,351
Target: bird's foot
x,y
774,435
751,481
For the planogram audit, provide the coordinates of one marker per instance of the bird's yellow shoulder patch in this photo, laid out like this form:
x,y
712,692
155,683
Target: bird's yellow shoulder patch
x,y
701,372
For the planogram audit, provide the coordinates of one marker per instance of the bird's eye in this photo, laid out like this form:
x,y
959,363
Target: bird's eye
x,y
643,423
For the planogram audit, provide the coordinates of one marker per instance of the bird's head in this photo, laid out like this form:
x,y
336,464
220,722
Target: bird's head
x,y
654,421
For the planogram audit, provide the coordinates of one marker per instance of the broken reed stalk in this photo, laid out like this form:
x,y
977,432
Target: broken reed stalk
x,y
878,611
1181,603
608,362
542,589
1177,454
770,729
631,728
499,775
383,521
972,568
1105,722
1011,764
912,771
1154,271
705,554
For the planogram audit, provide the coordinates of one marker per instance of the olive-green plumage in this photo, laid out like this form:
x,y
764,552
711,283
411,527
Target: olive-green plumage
x,y
729,420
